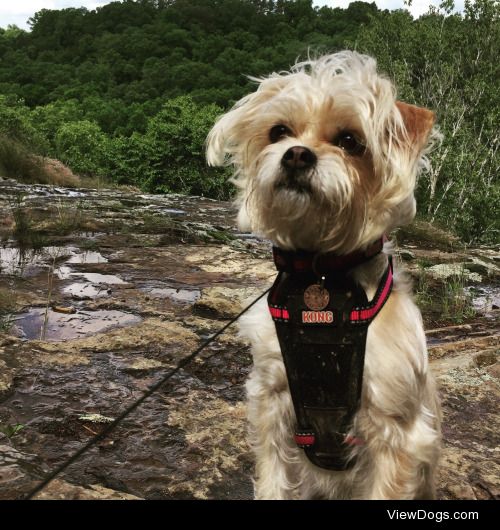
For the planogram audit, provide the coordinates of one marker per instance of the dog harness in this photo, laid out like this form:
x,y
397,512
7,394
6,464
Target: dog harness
x,y
322,317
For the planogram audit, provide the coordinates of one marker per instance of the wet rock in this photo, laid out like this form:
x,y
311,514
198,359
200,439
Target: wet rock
x,y
226,260
142,364
63,325
469,468
453,270
482,267
189,440
61,490
216,436
186,296
222,302
485,298
6,377
19,471
465,475
406,255
152,334
486,358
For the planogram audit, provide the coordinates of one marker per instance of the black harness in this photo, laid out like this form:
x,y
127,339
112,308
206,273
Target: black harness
x,y
322,318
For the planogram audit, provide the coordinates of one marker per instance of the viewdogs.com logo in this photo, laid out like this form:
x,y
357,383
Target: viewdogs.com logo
x,y
432,516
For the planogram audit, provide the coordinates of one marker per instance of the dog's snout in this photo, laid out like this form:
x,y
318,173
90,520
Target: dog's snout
x,y
298,157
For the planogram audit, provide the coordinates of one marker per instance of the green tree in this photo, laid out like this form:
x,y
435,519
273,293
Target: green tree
x,y
175,139
82,146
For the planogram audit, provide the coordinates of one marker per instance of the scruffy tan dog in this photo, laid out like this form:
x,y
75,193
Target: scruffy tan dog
x,y
326,161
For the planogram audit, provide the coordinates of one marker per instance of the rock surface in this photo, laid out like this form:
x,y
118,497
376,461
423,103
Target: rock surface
x,y
178,269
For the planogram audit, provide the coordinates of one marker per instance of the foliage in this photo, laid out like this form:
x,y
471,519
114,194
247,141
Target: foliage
x,y
175,139
26,236
7,309
445,300
129,90
18,163
448,63
81,145
10,430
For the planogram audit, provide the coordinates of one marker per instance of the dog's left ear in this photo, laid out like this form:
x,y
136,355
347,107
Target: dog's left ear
x,y
418,122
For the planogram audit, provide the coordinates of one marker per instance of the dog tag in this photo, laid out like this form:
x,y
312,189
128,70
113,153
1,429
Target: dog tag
x,y
316,297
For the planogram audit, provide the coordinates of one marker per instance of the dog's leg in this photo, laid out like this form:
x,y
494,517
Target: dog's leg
x,y
402,463
270,413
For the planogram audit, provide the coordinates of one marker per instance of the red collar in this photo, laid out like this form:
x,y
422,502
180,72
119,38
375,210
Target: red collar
x,y
305,261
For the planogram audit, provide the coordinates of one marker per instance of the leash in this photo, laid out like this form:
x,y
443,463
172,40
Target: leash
x,y
111,426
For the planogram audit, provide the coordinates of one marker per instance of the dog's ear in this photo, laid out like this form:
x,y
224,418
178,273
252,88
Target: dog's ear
x,y
231,130
217,139
418,122
228,133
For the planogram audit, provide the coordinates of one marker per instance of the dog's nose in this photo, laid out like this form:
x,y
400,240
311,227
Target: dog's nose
x,y
298,158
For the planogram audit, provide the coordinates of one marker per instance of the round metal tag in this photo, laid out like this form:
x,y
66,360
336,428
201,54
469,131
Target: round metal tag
x,y
316,297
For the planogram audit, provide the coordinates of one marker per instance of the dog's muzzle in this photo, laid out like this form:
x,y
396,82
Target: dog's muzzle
x,y
296,165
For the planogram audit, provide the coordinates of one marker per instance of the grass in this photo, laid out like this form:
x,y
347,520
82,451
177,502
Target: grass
x,y
11,429
427,235
56,256
68,219
156,224
24,232
89,244
7,309
18,163
456,302
444,300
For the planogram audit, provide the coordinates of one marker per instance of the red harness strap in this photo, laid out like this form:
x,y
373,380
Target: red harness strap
x,y
307,439
364,314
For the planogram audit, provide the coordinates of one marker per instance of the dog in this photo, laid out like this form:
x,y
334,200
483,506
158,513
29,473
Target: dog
x,y
326,160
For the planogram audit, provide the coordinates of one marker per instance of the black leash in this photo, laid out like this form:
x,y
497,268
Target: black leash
x,y
182,363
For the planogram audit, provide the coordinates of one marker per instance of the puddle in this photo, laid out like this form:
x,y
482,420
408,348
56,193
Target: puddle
x,y
484,298
88,257
65,273
84,291
62,326
15,261
172,211
27,262
187,296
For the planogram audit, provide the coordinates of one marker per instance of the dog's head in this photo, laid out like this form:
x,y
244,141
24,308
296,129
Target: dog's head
x,y
325,157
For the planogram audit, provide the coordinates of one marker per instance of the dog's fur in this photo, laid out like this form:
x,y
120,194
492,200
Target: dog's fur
x,y
343,203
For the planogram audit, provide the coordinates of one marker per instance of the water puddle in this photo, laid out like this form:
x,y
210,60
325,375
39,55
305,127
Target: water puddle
x,y
65,273
484,298
61,326
185,296
84,291
172,211
87,257
27,262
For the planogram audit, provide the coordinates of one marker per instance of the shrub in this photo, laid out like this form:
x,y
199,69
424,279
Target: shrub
x,y
82,146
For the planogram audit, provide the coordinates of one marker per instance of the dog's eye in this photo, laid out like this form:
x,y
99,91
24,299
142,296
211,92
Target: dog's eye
x,y
349,142
279,132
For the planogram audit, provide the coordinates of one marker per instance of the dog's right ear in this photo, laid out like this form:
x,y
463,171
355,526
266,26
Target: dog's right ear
x,y
221,136
229,132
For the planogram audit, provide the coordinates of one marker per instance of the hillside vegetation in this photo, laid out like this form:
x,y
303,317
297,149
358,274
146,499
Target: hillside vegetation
x,y
128,91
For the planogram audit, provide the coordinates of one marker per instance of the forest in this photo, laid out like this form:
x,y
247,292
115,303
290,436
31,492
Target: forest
x,y
127,92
